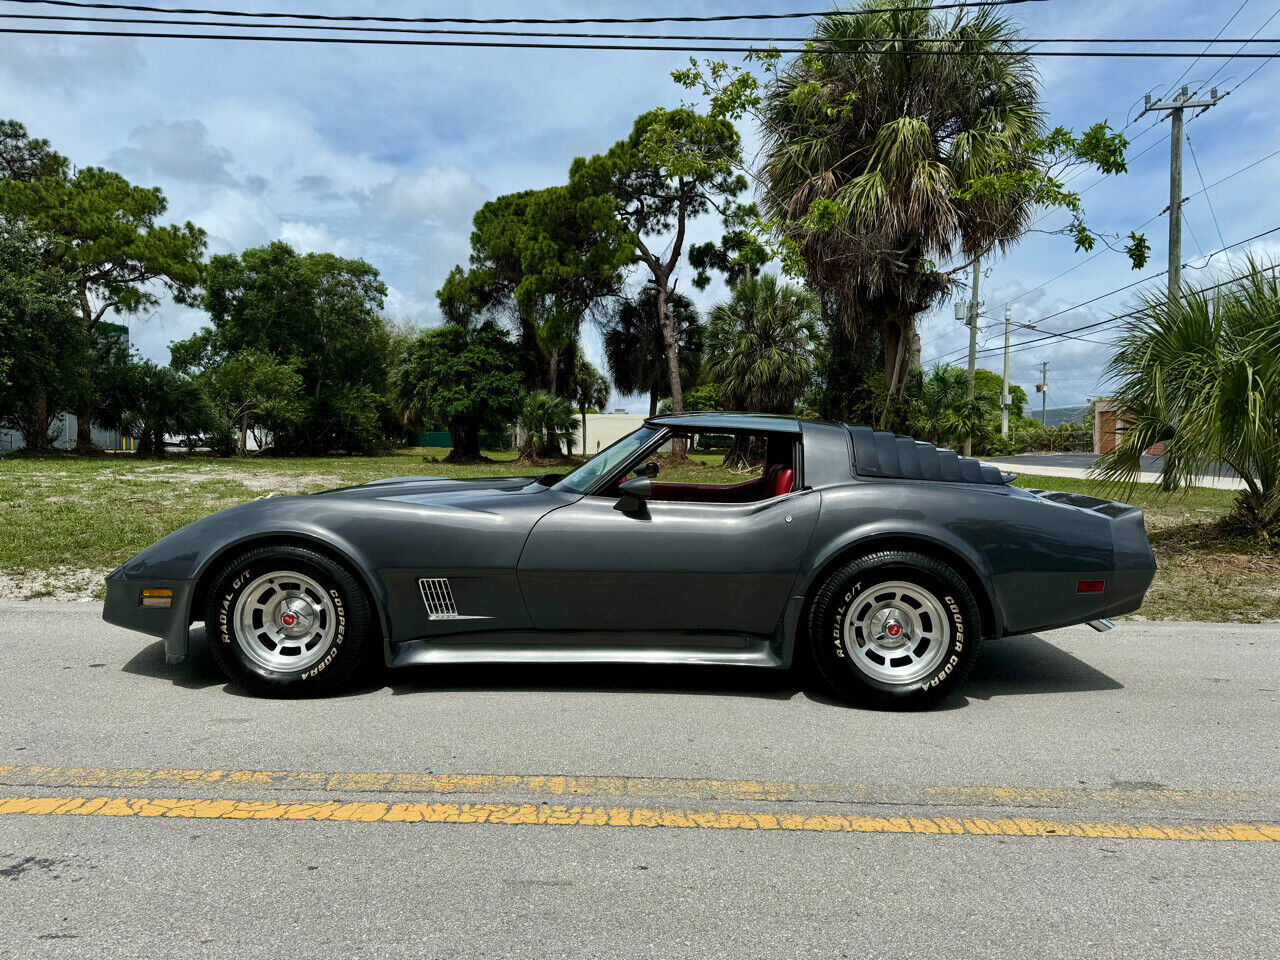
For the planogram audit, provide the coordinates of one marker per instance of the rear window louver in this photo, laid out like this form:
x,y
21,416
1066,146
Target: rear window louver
x,y
880,454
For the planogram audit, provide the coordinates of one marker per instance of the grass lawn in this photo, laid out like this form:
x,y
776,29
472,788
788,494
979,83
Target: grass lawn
x,y
67,521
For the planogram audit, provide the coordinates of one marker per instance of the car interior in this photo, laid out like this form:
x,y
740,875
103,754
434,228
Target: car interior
x,y
774,476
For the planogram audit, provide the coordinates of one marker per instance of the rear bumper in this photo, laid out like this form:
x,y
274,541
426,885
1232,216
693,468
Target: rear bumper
x,y
1115,552
123,607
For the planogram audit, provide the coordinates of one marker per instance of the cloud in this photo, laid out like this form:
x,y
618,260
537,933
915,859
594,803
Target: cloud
x,y
316,238
176,150
433,196
69,66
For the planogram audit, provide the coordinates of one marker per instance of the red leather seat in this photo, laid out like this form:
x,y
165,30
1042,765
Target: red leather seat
x,y
781,480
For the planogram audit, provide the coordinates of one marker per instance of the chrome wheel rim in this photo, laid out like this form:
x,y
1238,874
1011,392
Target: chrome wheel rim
x,y
285,621
896,632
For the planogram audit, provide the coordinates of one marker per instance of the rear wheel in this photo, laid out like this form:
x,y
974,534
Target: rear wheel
x,y
287,621
894,629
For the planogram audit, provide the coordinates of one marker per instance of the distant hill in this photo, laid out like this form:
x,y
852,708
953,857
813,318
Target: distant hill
x,y
1054,415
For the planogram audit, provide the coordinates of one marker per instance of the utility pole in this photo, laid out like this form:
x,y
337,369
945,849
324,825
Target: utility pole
x,y
1004,391
1175,107
1044,392
970,316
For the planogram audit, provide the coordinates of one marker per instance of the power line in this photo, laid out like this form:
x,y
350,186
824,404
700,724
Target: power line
x,y
86,5
448,31
656,48
1223,65
1055,334
1174,85
1207,199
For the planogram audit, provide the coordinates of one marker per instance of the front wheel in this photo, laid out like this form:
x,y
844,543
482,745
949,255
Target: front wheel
x,y
287,621
894,629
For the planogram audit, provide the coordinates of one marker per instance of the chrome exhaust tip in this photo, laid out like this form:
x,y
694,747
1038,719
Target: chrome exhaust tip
x,y
1102,626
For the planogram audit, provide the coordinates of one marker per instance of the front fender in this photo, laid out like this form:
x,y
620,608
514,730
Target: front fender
x,y
183,558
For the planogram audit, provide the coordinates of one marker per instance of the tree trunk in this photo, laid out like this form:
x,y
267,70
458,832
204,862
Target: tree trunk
x,y
38,426
583,437
678,446
84,428
244,434
84,412
653,401
466,443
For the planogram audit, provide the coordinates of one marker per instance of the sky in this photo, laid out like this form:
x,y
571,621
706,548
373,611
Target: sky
x,y
385,153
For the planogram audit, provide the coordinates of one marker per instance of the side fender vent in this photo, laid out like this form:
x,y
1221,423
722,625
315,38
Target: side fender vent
x,y
438,597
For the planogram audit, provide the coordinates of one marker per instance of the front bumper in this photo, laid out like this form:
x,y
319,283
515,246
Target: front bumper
x,y
123,607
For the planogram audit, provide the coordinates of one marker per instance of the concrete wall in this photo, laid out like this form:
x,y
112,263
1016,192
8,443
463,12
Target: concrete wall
x,y
64,436
604,429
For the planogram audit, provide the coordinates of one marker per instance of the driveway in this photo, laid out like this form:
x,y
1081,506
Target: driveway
x,y
1093,795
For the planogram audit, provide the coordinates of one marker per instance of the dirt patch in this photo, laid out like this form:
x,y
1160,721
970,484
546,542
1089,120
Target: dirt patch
x,y
283,484
60,583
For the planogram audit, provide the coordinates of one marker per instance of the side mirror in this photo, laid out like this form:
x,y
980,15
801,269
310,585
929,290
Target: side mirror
x,y
649,470
634,493
639,487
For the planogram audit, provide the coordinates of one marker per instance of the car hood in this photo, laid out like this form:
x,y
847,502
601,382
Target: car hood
x,y
356,518
467,492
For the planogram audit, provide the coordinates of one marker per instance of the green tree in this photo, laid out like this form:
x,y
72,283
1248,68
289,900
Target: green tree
x,y
42,345
885,174
1201,374
590,391
993,383
466,378
635,346
542,260
104,233
27,158
248,392
318,314
760,345
150,402
545,421
942,412
675,166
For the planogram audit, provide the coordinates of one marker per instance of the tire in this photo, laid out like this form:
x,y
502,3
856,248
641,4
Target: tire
x,y
286,621
868,623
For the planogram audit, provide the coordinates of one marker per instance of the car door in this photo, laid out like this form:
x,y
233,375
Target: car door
x,y
666,567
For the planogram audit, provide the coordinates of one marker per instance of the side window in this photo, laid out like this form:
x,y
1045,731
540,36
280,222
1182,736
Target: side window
x,y
728,468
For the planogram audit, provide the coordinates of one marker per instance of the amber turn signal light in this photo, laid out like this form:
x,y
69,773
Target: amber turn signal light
x,y
1090,586
157,597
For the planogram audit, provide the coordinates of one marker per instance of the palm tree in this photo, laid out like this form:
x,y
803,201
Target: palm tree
x,y
931,414
869,154
634,347
944,413
1201,374
760,345
546,422
590,391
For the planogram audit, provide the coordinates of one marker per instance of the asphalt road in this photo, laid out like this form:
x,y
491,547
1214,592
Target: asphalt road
x,y
152,811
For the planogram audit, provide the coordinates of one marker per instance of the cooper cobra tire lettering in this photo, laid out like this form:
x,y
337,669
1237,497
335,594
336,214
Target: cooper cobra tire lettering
x,y
352,613
830,603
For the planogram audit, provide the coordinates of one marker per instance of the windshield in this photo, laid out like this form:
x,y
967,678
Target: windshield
x,y
606,461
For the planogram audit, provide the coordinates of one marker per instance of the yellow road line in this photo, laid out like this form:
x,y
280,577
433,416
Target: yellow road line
x,y
663,788
529,814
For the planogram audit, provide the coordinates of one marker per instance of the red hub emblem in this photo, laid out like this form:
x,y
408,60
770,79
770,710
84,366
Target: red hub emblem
x,y
893,629
289,619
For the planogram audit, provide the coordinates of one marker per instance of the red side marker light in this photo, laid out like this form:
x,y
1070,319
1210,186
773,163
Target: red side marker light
x,y
1090,586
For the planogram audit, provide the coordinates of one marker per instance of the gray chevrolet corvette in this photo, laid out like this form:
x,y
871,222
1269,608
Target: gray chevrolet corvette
x,y
882,561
